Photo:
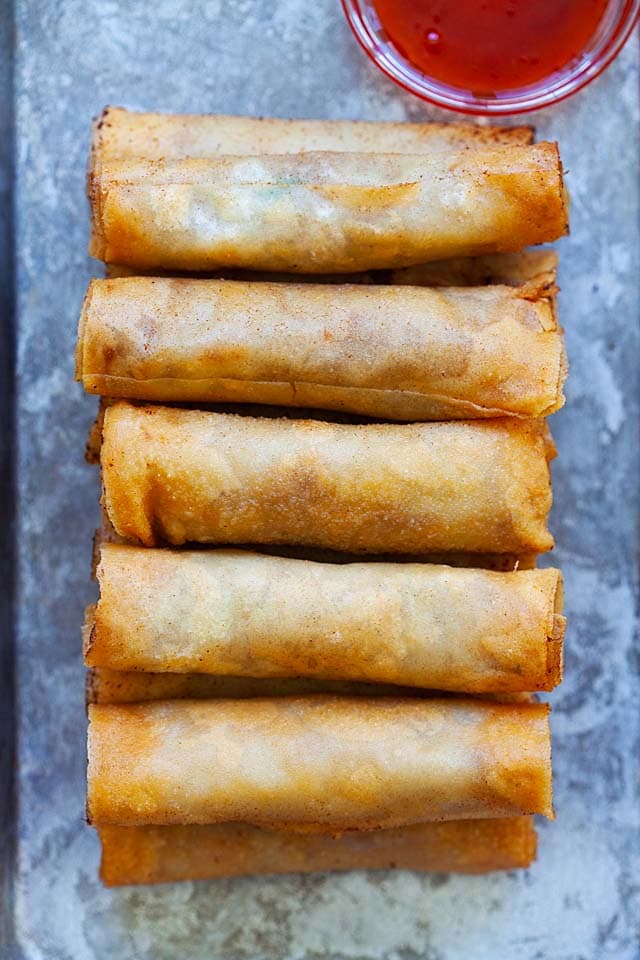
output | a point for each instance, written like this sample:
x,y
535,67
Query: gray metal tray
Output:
x,y
581,900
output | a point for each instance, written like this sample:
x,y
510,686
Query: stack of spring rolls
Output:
x,y
325,360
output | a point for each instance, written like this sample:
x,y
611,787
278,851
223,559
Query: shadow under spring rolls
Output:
x,y
121,686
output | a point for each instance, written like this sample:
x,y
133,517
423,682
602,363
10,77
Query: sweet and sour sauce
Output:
x,y
490,46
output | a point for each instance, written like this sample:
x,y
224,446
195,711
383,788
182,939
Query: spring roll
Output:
x,y
320,763
399,353
535,269
119,133
171,854
236,613
119,686
183,475
325,212
504,562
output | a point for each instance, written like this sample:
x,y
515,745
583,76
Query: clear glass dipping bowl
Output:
x,y
613,32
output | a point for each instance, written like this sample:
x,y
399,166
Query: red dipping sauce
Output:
x,y
492,56
488,46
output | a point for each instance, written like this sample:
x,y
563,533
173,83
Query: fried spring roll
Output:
x,y
317,763
535,269
400,353
183,475
503,562
119,686
237,613
325,212
170,854
94,438
119,133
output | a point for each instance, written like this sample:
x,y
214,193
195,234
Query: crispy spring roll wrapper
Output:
x,y
325,212
504,562
171,854
317,763
400,353
119,686
120,133
93,447
537,269
236,613
270,411
182,475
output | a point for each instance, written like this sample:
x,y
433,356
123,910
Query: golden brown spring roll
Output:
x,y
325,212
503,562
319,763
120,133
236,613
170,854
119,686
183,475
399,353
534,269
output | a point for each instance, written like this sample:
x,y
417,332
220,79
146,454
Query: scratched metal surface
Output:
x,y
581,901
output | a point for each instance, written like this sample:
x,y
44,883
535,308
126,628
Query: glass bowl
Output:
x,y
613,31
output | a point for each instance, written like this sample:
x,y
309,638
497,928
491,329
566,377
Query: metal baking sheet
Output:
x,y
581,900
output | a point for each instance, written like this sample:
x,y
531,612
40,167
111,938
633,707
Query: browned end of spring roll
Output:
x,y
326,763
171,854
400,353
183,475
234,612
325,212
